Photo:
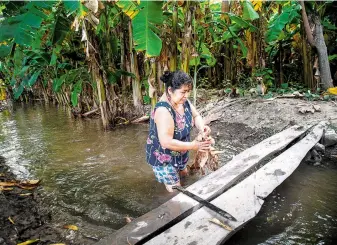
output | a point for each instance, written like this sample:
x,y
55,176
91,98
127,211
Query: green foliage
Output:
x,y
130,8
203,54
248,11
145,87
311,96
61,28
75,6
237,25
332,57
145,30
114,77
5,49
22,28
327,24
290,11
76,91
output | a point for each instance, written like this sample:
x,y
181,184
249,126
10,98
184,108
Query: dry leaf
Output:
x,y
31,182
26,187
10,220
71,227
5,188
25,194
128,219
218,222
29,242
7,184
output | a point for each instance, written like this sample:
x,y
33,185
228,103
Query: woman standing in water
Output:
x,y
168,143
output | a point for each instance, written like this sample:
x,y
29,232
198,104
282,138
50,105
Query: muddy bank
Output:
x,y
275,114
23,217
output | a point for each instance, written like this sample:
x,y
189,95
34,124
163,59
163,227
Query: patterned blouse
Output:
x,y
158,156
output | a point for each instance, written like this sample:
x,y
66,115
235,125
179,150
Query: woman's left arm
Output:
x,y
198,120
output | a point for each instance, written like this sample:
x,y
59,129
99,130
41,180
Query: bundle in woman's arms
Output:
x,y
206,160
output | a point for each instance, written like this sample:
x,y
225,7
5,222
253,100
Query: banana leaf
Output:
x,y
144,28
248,11
277,25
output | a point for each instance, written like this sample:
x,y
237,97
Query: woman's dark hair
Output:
x,y
175,79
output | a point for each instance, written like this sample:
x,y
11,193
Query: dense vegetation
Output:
x,y
107,56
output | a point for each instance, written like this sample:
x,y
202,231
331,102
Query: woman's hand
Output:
x,y
201,145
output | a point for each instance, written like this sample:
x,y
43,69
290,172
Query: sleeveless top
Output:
x,y
159,156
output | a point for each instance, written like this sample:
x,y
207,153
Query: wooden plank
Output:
x,y
243,201
208,187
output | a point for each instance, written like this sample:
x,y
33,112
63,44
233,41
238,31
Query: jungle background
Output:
x,y
104,58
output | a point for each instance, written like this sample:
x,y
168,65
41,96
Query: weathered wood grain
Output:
x,y
207,188
243,201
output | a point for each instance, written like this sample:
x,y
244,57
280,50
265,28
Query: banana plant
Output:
x,y
279,21
146,18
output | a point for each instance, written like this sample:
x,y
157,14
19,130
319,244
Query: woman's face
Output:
x,y
180,95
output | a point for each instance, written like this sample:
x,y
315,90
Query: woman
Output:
x,y
171,122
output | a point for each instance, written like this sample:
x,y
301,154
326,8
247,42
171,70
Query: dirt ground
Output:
x,y
239,124
23,217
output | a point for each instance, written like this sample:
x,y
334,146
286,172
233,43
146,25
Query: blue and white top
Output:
x,y
156,155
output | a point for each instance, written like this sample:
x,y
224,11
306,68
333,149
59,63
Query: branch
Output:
x,y
306,25
89,112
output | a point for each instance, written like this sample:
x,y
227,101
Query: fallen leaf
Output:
x,y
26,187
218,222
128,219
58,244
31,182
25,194
5,188
28,242
332,90
7,184
10,220
71,227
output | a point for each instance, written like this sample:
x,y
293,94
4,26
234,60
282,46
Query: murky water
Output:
x,y
94,179
303,210
90,177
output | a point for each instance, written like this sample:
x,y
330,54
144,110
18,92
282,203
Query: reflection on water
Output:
x,y
91,175
94,179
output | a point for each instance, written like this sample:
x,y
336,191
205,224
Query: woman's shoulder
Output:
x,y
162,104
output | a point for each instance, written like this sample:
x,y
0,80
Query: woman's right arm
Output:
x,y
165,129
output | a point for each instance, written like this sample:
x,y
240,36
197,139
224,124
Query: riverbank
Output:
x,y
240,126
22,216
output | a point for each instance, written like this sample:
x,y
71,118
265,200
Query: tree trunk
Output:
x,y
174,50
101,96
152,77
136,85
324,66
307,74
186,45
225,7
281,64
319,43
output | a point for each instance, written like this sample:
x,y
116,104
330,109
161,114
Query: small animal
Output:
x,y
206,159
261,88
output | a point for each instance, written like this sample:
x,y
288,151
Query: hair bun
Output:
x,y
166,77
